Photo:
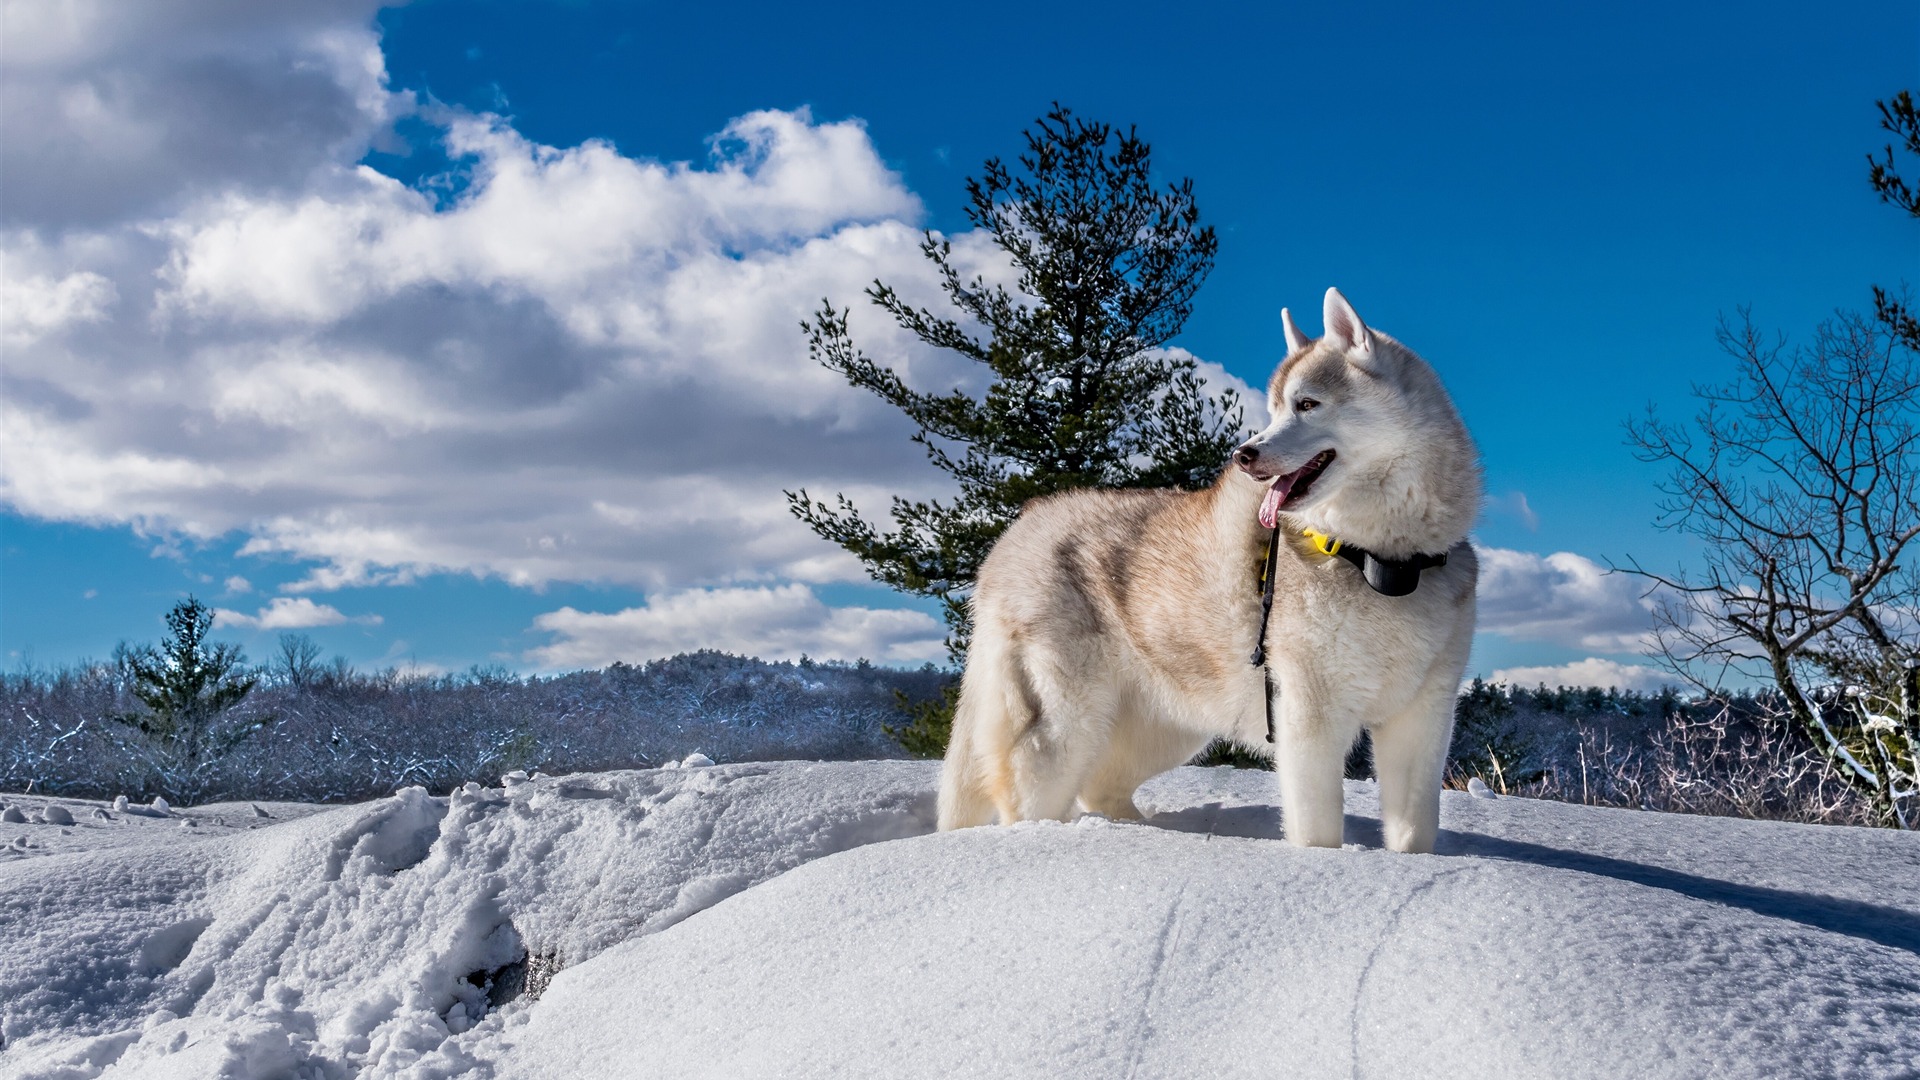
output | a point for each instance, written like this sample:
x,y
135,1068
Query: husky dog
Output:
x,y
1113,629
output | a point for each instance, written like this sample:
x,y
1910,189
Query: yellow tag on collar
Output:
x,y
1322,543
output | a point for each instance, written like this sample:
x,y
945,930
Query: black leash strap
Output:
x,y
1266,609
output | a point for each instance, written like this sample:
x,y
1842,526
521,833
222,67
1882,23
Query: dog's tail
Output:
x,y
977,779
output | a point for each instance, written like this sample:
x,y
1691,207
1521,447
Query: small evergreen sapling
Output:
x,y
188,685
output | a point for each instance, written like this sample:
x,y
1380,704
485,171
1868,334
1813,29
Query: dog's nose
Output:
x,y
1245,456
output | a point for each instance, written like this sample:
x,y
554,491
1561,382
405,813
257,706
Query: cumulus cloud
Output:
x,y
1593,671
1514,505
1562,599
587,367
34,306
289,613
1217,380
775,623
582,230
116,111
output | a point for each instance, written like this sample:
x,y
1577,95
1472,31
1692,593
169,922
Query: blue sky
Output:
x,y
481,418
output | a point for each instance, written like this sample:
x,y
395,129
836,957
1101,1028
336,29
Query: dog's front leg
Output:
x,y
1410,759
1311,758
1409,755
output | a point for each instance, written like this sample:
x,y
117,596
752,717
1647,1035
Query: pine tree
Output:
x,y
1081,392
1899,117
188,685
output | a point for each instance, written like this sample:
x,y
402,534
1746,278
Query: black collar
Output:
x,y
1388,577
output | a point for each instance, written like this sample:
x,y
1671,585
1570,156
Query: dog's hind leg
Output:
x,y
1137,750
964,799
1015,750
989,715
1049,761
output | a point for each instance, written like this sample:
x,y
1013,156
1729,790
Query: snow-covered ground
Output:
x,y
802,920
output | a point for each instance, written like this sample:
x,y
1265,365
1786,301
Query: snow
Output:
x,y
802,920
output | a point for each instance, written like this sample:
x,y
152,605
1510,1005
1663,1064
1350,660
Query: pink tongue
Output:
x,y
1270,506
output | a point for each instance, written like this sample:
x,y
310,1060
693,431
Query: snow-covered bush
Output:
x,y
1871,737
1730,756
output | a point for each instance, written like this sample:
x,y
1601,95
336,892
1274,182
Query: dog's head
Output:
x,y
1351,412
1320,402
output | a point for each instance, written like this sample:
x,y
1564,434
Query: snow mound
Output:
x,y
355,941
801,920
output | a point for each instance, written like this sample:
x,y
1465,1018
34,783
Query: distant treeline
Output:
x,y
325,732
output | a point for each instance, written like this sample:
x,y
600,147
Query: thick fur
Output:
x,y
1112,629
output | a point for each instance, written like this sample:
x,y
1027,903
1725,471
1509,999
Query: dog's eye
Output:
x,y
1305,404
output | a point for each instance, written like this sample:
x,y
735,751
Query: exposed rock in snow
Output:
x,y
799,920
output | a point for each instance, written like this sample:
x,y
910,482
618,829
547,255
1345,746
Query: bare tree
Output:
x,y
1801,477
299,661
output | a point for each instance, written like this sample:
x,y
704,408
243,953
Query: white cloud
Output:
x,y
1514,505
1216,379
237,585
298,387
358,379
775,623
35,306
54,468
290,613
577,229
1593,671
116,111
1562,599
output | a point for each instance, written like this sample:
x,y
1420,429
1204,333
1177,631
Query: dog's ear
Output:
x,y
1296,340
1345,328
